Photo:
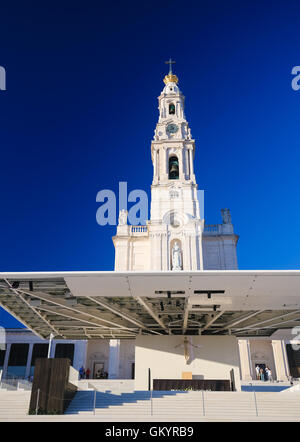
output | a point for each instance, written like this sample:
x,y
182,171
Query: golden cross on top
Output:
x,y
170,62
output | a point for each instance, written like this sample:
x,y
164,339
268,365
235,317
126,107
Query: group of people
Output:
x,y
263,373
100,374
85,374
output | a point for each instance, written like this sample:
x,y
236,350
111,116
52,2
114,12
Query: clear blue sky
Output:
x,y
81,106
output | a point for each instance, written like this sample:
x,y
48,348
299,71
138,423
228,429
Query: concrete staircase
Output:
x,y
186,406
175,406
13,404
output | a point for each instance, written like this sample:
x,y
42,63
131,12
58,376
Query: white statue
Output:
x,y
226,216
122,217
176,257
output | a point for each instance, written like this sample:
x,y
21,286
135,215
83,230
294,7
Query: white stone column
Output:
x,y
186,252
114,358
155,174
29,357
181,168
152,261
280,359
159,248
245,360
187,165
191,164
165,251
6,359
165,164
80,354
193,252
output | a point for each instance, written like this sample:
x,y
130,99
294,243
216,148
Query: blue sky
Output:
x,y
80,109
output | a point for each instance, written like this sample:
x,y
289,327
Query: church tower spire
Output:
x,y
172,128
172,239
174,202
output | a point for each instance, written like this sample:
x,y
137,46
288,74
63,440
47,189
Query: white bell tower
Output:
x,y
175,214
172,238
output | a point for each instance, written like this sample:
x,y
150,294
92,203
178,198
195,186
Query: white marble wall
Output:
x,y
270,351
219,252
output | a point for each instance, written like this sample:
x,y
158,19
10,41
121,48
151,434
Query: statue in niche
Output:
x,y
226,216
123,217
176,257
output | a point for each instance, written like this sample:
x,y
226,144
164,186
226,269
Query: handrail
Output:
x,y
37,402
255,401
95,398
203,403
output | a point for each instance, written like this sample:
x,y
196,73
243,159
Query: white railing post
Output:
x,y
151,404
203,403
95,394
255,401
37,402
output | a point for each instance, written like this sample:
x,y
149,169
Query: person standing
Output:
x,y
257,369
87,373
262,374
269,374
81,373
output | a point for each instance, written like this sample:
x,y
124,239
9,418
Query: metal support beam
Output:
x,y
121,313
147,307
20,296
238,321
214,319
269,320
62,303
270,326
87,324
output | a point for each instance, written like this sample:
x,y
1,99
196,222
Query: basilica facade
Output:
x,y
176,304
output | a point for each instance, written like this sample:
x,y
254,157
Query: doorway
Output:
x,y
260,371
98,371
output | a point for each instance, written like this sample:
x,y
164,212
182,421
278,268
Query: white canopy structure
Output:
x,y
89,305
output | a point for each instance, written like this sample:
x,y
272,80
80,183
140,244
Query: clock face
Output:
x,y
172,128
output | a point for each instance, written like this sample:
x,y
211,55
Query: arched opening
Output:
x,y
173,168
173,219
171,109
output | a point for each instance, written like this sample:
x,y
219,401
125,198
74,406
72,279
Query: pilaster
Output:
x,y
114,358
280,359
28,365
245,360
6,359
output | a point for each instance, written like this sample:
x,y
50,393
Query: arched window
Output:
x,y
173,168
171,109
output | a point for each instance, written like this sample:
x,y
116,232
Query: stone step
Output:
x,y
187,405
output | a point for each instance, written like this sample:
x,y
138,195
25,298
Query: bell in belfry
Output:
x,y
173,168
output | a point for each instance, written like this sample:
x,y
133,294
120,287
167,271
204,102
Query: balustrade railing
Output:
x,y
211,229
138,230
